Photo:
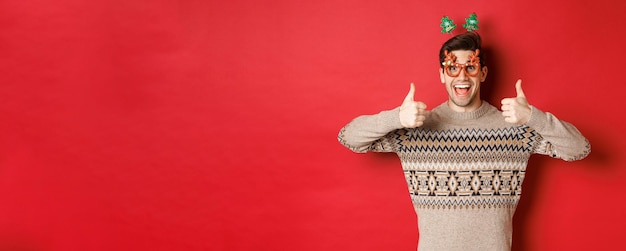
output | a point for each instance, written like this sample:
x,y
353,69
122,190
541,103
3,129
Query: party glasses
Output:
x,y
453,69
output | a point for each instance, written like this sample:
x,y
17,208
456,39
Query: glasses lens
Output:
x,y
453,70
472,69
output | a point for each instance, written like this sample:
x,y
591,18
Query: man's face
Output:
x,y
463,90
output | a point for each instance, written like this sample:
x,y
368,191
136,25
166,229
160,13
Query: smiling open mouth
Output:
x,y
461,90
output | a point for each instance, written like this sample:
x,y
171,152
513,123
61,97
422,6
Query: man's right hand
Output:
x,y
412,113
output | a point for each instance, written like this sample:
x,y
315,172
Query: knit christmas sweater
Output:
x,y
464,170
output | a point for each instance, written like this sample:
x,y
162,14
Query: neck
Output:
x,y
473,106
448,112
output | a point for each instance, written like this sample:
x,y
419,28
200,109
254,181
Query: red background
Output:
x,y
211,125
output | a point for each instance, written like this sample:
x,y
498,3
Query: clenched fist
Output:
x,y
516,110
412,113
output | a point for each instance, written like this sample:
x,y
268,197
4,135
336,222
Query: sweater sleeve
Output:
x,y
560,139
368,132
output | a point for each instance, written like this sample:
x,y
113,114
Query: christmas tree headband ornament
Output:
x,y
447,25
471,23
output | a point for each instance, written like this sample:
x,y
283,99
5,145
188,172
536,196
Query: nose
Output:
x,y
462,74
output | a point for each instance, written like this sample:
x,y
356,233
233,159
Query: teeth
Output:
x,y
461,86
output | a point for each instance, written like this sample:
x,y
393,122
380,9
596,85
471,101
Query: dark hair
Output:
x,y
466,41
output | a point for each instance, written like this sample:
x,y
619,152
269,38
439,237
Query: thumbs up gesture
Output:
x,y
516,110
412,113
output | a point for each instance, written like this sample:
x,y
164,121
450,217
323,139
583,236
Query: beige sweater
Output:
x,y
465,170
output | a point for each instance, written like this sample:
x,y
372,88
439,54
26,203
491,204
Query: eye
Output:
x,y
453,68
471,67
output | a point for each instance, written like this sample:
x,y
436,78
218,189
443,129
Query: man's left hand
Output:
x,y
516,110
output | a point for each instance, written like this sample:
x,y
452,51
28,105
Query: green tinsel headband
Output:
x,y
447,24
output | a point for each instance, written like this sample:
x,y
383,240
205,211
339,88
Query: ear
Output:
x,y
483,76
442,75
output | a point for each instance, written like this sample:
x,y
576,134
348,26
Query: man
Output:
x,y
465,160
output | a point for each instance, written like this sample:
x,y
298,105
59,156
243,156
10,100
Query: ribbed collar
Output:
x,y
449,113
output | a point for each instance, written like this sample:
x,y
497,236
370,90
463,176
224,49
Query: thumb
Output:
x,y
518,89
411,95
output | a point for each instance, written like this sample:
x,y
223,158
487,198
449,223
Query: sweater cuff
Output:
x,y
538,119
390,120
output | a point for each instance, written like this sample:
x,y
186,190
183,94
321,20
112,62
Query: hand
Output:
x,y
516,110
412,113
